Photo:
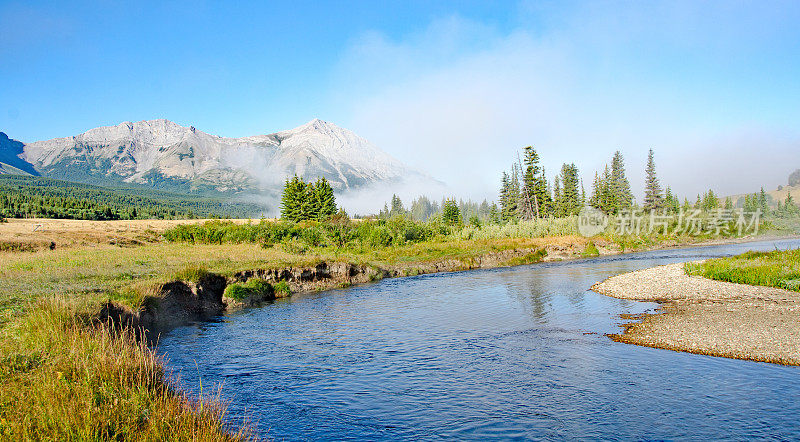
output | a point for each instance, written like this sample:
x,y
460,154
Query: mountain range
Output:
x,y
164,155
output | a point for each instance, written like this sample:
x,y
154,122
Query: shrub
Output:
x,y
590,251
252,289
282,289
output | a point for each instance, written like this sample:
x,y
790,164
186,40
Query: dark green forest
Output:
x,y
26,196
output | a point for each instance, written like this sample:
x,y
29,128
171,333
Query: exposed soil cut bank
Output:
x,y
178,302
703,316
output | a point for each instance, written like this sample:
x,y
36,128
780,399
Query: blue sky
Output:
x,y
452,88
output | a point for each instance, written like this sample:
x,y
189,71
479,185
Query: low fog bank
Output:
x,y
369,200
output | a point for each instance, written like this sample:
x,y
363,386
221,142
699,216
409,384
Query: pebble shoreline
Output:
x,y
704,316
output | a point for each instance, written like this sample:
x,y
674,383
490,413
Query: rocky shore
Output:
x,y
709,317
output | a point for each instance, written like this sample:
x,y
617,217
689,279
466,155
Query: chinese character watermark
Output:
x,y
691,222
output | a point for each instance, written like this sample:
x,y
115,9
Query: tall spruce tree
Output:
x,y
594,200
293,199
570,203
653,199
505,195
763,201
514,192
557,199
311,205
620,191
324,200
536,195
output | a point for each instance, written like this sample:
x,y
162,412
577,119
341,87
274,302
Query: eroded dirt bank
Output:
x,y
703,316
178,302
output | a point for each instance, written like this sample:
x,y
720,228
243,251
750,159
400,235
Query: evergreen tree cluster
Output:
x,y
424,209
525,192
568,193
303,201
25,196
611,191
451,214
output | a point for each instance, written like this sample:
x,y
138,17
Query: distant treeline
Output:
x,y
526,193
449,210
25,196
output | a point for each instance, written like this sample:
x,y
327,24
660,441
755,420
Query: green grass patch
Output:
x,y
780,269
252,289
529,258
590,251
282,289
192,273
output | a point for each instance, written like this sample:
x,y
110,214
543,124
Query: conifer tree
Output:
x,y
728,203
671,202
542,192
652,194
570,197
450,212
324,200
293,199
494,214
583,194
311,205
514,192
620,192
557,200
763,201
397,206
505,189
710,201
535,197
789,207
594,200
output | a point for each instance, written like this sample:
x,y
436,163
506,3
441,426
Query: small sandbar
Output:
x,y
703,316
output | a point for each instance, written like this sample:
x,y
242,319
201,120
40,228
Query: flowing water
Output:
x,y
513,353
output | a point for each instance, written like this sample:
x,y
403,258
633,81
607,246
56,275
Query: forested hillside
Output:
x,y
26,196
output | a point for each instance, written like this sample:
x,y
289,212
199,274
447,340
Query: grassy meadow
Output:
x,y
780,269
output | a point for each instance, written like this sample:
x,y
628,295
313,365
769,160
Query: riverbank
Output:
x,y
715,318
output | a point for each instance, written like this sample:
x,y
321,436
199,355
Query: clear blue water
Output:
x,y
515,353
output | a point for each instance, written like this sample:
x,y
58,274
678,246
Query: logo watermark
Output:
x,y
591,221
693,222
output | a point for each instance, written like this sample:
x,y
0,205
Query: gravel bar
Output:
x,y
703,316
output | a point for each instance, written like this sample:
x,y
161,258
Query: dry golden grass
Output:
x,y
62,378
70,232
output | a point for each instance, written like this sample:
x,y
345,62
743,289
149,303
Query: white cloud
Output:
x,y
459,100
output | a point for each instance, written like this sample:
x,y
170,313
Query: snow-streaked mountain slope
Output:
x,y
162,153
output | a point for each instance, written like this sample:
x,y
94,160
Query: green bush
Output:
x,y
590,250
252,289
282,289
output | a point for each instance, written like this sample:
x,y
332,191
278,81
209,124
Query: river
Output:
x,y
511,353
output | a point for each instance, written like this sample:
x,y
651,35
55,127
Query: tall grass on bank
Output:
x,y
396,231
779,269
63,378
535,228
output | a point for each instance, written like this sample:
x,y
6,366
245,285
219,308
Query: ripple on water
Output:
x,y
516,353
